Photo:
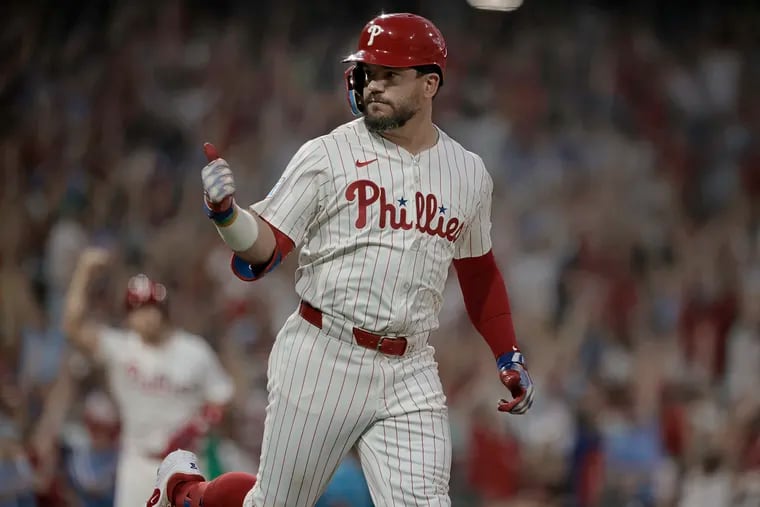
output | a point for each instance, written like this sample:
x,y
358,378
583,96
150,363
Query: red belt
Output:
x,y
392,346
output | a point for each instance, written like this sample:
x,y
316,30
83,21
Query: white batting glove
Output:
x,y
218,182
236,226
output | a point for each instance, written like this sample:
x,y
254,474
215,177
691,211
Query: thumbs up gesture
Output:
x,y
218,183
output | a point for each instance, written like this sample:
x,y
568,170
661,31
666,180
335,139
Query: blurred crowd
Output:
x,y
624,141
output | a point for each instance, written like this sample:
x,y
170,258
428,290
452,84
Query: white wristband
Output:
x,y
242,232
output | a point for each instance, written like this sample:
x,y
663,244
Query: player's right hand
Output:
x,y
218,183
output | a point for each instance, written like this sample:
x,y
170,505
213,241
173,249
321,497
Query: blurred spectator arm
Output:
x,y
54,410
45,435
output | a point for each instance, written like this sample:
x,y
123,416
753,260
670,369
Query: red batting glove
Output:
x,y
211,152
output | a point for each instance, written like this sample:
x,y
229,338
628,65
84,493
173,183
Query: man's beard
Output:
x,y
397,119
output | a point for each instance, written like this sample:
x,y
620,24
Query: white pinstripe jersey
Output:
x,y
380,226
158,388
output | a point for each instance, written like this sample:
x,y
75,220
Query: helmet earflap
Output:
x,y
355,79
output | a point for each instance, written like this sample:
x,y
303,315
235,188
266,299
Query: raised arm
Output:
x,y
80,328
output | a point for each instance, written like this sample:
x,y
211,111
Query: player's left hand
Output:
x,y
514,375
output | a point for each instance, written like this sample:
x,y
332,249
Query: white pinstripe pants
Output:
x,y
327,394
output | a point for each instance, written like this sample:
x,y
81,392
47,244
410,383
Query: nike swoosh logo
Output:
x,y
154,498
365,163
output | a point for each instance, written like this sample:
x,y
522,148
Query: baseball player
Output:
x,y
380,207
167,383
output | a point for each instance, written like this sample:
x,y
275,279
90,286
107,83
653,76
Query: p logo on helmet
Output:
x,y
374,31
400,40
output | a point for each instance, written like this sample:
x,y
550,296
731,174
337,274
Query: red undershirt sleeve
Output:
x,y
485,297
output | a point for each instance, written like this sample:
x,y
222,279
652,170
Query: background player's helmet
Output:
x,y
142,291
394,40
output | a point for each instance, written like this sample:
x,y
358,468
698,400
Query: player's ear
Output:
x,y
432,82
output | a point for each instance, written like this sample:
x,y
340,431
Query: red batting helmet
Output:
x,y
142,291
394,40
